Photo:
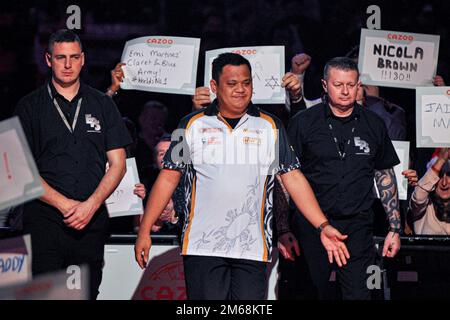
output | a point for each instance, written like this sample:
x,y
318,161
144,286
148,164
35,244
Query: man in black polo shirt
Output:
x,y
73,130
342,148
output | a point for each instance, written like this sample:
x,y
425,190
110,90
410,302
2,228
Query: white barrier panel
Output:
x,y
163,279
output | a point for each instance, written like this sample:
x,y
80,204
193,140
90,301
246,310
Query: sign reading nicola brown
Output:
x,y
397,59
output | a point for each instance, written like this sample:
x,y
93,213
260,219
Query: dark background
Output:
x,y
323,29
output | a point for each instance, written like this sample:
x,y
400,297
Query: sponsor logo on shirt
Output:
x,y
250,140
210,130
363,146
211,141
93,123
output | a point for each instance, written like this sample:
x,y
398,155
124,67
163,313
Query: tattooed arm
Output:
x,y
387,187
286,239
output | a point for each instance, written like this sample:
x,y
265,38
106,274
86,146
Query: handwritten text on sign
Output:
x,y
397,59
15,260
433,117
161,64
267,71
14,268
11,263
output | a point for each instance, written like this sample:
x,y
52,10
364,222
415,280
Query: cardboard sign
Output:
x,y
123,202
397,59
19,177
15,260
161,64
267,71
433,117
402,150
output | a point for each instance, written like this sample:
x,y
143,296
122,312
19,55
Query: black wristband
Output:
x,y
322,226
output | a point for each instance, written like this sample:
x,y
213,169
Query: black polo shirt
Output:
x,y
72,163
343,186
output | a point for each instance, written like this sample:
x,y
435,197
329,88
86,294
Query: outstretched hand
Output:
x,y
333,242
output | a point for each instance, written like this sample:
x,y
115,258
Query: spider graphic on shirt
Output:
x,y
239,222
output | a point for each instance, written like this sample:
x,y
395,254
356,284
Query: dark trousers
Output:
x,y
352,277
217,278
56,247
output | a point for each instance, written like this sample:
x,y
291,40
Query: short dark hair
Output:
x,y
445,169
156,105
166,137
227,58
62,35
340,63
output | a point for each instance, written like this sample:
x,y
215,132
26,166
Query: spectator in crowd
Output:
x,y
430,201
171,218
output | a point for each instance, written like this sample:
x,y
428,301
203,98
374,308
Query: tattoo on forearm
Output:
x,y
281,206
387,187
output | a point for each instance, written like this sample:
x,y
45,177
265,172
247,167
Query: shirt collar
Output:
x,y
213,109
56,94
354,115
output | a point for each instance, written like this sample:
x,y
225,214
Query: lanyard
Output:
x,y
61,114
341,153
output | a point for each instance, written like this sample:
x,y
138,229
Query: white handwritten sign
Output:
x,y
161,64
267,71
402,150
19,177
433,117
15,260
59,285
123,202
397,59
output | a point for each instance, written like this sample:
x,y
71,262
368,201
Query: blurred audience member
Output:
x,y
430,201
169,221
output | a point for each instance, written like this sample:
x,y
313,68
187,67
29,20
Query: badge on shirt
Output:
x,y
363,146
93,122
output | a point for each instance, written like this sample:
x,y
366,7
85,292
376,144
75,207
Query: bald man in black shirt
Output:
x,y
342,147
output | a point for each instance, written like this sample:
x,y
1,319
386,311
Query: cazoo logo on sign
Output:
x,y
404,37
160,41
